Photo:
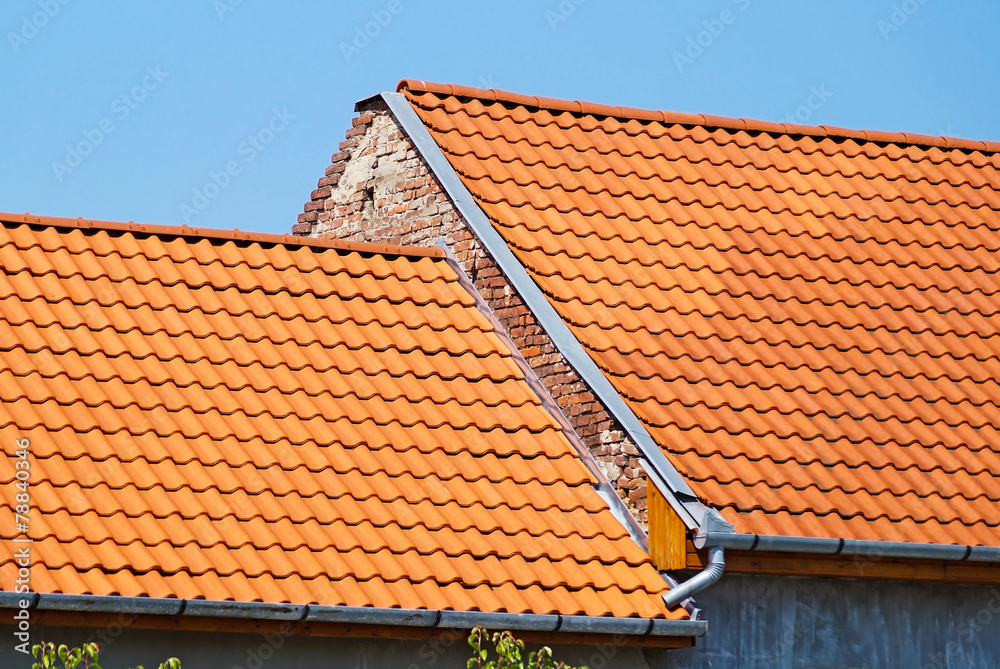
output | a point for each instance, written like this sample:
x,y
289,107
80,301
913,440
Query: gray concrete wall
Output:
x,y
758,622
123,647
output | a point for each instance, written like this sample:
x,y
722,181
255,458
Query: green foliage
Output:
x,y
84,657
509,652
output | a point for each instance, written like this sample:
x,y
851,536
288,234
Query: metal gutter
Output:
x,y
868,549
666,477
604,488
357,615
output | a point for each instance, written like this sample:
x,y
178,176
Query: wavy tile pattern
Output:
x,y
806,319
218,418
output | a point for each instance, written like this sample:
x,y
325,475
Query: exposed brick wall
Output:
x,y
379,189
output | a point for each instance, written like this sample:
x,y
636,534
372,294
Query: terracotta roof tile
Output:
x,y
230,416
805,318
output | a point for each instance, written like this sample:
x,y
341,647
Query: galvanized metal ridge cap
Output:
x,y
543,622
854,547
567,344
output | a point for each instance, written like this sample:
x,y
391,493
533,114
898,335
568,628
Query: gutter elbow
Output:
x,y
712,572
716,565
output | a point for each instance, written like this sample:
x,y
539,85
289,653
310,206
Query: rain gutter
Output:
x,y
308,613
856,547
664,475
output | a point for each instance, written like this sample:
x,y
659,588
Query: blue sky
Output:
x,y
122,111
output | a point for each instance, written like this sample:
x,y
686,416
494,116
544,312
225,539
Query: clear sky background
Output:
x,y
166,94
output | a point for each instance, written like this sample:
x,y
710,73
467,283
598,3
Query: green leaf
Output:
x,y
510,653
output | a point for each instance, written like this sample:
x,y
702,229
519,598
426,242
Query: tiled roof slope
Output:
x,y
806,319
242,417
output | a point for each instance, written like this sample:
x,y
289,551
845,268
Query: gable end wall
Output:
x,y
378,189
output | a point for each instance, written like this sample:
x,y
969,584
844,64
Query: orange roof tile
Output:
x,y
242,417
806,319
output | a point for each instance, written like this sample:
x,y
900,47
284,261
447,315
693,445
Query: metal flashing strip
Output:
x,y
853,547
676,490
533,622
603,487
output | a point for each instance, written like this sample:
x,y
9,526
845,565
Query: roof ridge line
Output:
x,y
578,107
234,235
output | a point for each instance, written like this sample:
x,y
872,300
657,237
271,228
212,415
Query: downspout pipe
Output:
x,y
709,575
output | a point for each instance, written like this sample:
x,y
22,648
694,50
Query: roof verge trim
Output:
x,y
669,481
